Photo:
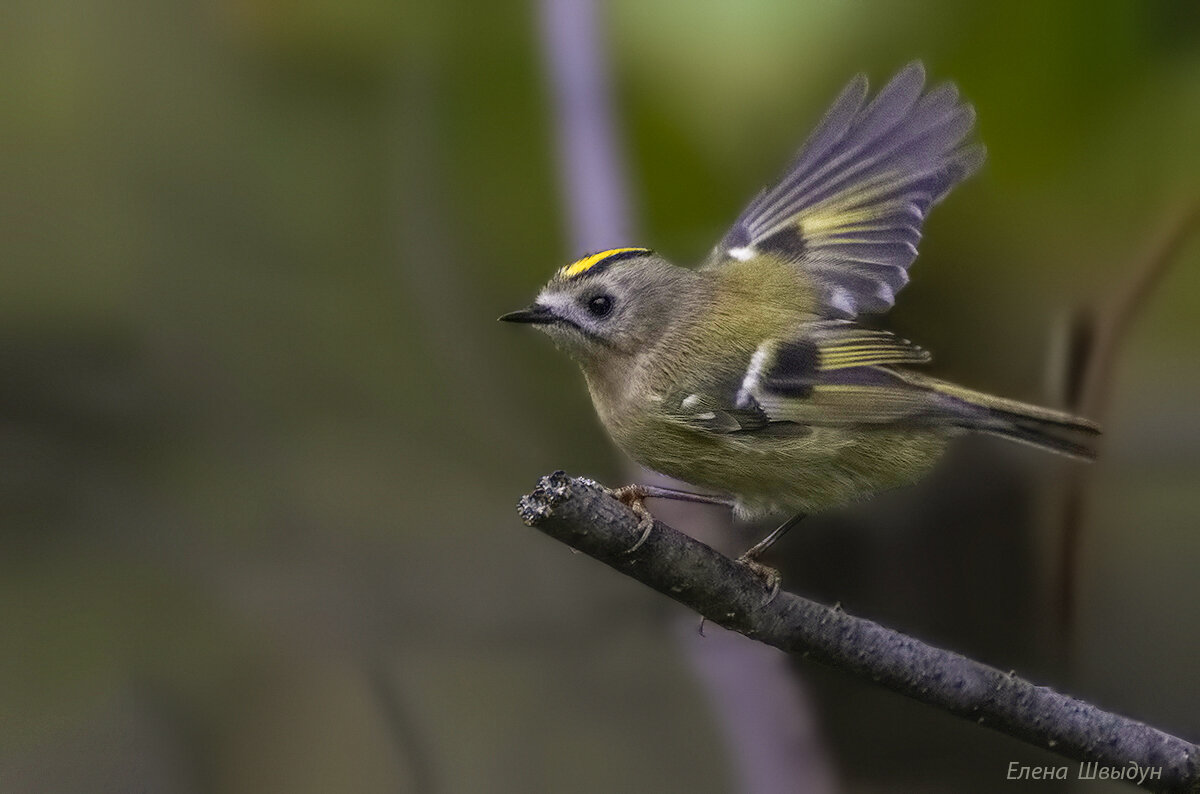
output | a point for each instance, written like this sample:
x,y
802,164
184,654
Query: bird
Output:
x,y
755,376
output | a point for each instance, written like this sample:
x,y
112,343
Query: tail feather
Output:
x,y
1042,437
1045,428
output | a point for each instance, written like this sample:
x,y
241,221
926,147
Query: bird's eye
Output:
x,y
600,305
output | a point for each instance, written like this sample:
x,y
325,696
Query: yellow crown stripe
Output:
x,y
588,262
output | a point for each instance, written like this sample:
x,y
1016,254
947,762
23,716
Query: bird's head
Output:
x,y
607,306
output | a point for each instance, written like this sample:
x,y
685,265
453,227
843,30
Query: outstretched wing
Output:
x,y
849,209
834,373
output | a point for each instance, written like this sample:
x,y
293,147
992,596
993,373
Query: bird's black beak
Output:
x,y
536,314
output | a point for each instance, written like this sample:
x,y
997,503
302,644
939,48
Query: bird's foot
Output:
x,y
634,497
769,575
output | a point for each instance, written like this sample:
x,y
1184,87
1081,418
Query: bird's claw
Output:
x,y
769,576
633,497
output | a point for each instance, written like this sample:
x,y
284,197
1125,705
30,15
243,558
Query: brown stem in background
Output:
x,y
1096,335
585,516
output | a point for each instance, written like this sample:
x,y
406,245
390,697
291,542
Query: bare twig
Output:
x,y
583,515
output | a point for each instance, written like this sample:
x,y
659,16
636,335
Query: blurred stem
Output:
x,y
1096,335
403,728
595,187
771,739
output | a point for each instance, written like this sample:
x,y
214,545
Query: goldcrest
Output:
x,y
750,375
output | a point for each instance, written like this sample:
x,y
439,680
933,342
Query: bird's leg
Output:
x,y
750,558
640,492
634,497
754,552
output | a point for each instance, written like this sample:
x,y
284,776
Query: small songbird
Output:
x,y
749,375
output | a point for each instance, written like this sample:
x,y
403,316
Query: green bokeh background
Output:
x,y
261,436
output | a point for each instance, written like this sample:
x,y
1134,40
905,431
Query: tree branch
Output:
x,y
582,514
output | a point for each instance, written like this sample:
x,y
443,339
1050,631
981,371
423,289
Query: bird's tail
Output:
x,y
1045,428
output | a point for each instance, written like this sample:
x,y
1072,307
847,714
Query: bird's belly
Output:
x,y
808,472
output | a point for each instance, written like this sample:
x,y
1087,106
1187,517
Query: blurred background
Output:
x,y
262,438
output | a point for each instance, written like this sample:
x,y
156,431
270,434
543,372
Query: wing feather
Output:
x,y
849,209
835,373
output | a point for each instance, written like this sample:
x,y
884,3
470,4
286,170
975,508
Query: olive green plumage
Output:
x,y
749,376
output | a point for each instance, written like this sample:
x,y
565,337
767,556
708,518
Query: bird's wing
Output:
x,y
832,373
848,211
